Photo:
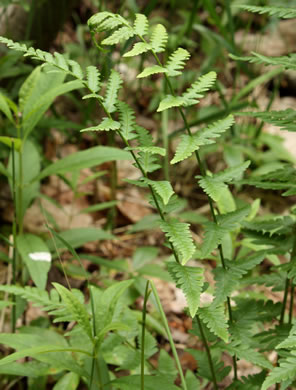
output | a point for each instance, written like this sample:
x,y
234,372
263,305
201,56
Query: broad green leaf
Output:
x,y
36,256
79,236
76,308
190,280
84,159
152,70
170,101
139,48
178,233
69,381
9,141
29,369
4,107
162,187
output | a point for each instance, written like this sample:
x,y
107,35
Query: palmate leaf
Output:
x,y
281,12
93,78
176,62
141,25
139,48
113,86
152,70
197,89
76,308
190,144
106,125
285,371
159,38
120,35
170,101
190,280
162,187
285,119
178,233
214,317
127,120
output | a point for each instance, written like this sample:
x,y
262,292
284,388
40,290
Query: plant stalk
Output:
x,y
146,296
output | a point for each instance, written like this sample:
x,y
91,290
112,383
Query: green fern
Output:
x,y
287,62
170,101
127,120
286,370
285,119
106,125
159,38
176,62
141,25
93,78
190,144
139,48
194,93
214,318
179,235
212,238
162,187
190,280
120,35
113,86
152,70
281,12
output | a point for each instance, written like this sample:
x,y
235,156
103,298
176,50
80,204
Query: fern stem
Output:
x,y
204,339
291,304
169,335
287,284
146,296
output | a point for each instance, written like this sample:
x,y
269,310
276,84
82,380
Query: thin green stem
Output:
x,y
165,141
13,316
204,339
291,304
287,284
146,296
169,335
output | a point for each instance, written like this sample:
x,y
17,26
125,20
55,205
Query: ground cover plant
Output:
x,y
101,323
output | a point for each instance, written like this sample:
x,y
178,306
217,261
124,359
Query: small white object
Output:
x,y
40,256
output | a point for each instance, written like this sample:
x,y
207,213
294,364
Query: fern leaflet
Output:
x,y
285,119
287,62
159,39
152,70
106,125
179,235
214,317
139,48
281,12
190,280
170,101
197,89
162,187
286,370
114,83
93,78
190,144
127,120
120,35
141,25
176,62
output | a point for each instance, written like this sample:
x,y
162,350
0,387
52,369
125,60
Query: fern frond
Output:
x,y
106,125
61,61
285,119
250,355
162,187
281,12
76,69
286,370
190,280
287,62
106,21
113,86
212,188
212,238
120,35
141,25
214,318
190,144
139,48
159,38
93,78
152,70
152,150
127,120
197,89
176,62
98,18
170,101
178,233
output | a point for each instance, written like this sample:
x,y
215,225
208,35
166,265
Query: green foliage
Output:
x,y
214,317
285,119
190,280
176,62
114,84
194,93
281,12
159,38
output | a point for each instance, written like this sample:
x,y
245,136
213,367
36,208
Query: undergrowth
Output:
x,y
90,334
